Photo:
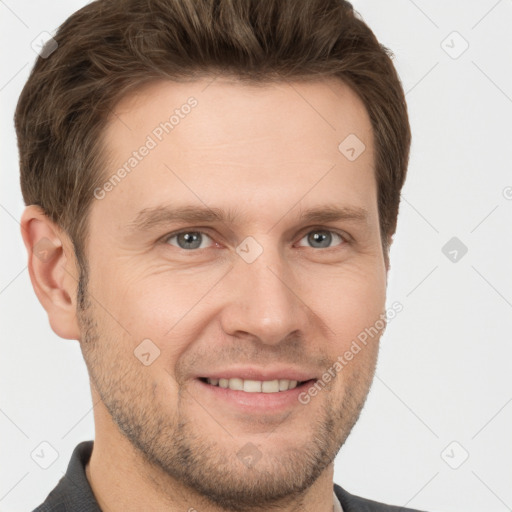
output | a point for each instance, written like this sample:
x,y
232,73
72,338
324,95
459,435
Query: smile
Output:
x,y
254,386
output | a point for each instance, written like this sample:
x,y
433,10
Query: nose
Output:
x,y
264,299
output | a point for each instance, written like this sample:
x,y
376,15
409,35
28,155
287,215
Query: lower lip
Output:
x,y
256,402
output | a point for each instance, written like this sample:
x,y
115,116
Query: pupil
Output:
x,y
321,236
190,238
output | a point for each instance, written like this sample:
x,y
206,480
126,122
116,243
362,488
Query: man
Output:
x,y
212,188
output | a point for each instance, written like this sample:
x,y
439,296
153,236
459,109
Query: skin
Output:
x,y
265,151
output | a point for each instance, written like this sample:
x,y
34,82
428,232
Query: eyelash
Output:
x,y
343,236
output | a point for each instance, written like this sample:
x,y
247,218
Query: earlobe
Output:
x,y
53,270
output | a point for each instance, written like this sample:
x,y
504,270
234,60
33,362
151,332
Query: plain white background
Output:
x,y
435,433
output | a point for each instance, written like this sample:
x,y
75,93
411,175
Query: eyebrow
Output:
x,y
151,218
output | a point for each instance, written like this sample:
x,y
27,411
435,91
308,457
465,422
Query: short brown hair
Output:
x,y
111,47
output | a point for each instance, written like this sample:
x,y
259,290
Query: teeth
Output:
x,y
254,386
236,384
283,384
270,386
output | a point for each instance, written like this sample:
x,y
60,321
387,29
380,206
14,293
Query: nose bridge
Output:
x,y
264,303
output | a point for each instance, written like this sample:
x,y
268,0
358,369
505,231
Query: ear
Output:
x,y
53,270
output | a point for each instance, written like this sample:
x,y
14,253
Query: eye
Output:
x,y
188,239
322,238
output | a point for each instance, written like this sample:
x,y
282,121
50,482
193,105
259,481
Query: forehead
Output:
x,y
235,145
238,110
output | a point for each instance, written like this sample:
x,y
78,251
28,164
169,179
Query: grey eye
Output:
x,y
188,240
321,238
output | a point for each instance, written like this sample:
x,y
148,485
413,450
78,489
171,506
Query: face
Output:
x,y
231,264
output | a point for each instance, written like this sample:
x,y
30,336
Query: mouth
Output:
x,y
252,398
256,386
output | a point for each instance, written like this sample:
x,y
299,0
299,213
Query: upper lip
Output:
x,y
255,373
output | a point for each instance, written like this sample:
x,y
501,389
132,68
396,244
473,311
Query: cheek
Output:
x,y
155,310
351,300
353,307
142,304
